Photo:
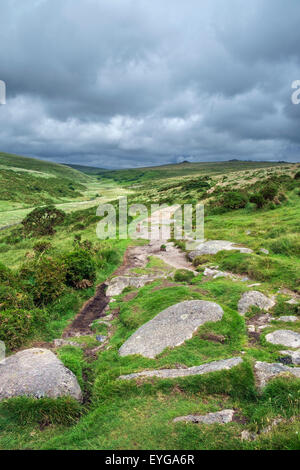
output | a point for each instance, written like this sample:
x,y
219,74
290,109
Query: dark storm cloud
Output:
x,y
134,82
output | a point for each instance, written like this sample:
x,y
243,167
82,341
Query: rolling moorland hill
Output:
x,y
170,348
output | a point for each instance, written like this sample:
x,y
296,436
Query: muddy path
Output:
x,y
136,256
91,310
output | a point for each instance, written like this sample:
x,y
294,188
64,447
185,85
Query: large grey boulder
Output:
x,y
38,373
220,417
215,366
288,338
254,298
171,327
265,372
212,247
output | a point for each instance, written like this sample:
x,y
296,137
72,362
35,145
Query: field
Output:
x,y
255,205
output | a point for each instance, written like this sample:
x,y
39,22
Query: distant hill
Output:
x,y
130,175
32,181
88,170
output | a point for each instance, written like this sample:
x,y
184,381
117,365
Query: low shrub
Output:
x,y
16,325
44,279
79,266
42,220
234,200
183,275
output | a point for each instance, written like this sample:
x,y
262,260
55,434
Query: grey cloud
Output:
x,y
134,83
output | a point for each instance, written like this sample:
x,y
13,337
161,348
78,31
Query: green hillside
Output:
x,y
31,181
182,169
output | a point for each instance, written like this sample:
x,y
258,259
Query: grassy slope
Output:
x,y
126,415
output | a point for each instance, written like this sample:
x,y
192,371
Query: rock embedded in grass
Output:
x,y
220,417
288,338
265,371
215,366
212,247
294,356
171,327
288,318
256,299
37,373
119,283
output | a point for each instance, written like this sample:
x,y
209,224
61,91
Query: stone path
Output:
x,y
215,366
171,327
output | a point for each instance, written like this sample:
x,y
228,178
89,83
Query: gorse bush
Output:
x,y
234,200
44,279
42,220
79,266
16,325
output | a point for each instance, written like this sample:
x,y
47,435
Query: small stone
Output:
x,y
292,302
251,328
287,338
264,251
248,436
254,298
287,318
294,356
101,338
64,342
265,371
220,417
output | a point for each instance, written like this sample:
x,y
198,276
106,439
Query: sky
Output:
x,y
131,83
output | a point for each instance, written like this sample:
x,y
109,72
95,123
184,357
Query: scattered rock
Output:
x,y
265,372
212,247
287,318
294,356
248,436
101,338
220,417
251,328
64,342
292,302
224,364
38,373
264,251
214,273
254,298
171,327
288,338
118,284
255,285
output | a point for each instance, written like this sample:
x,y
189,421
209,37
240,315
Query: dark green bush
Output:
x,y
183,275
42,220
269,191
257,199
234,200
16,325
44,279
79,266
